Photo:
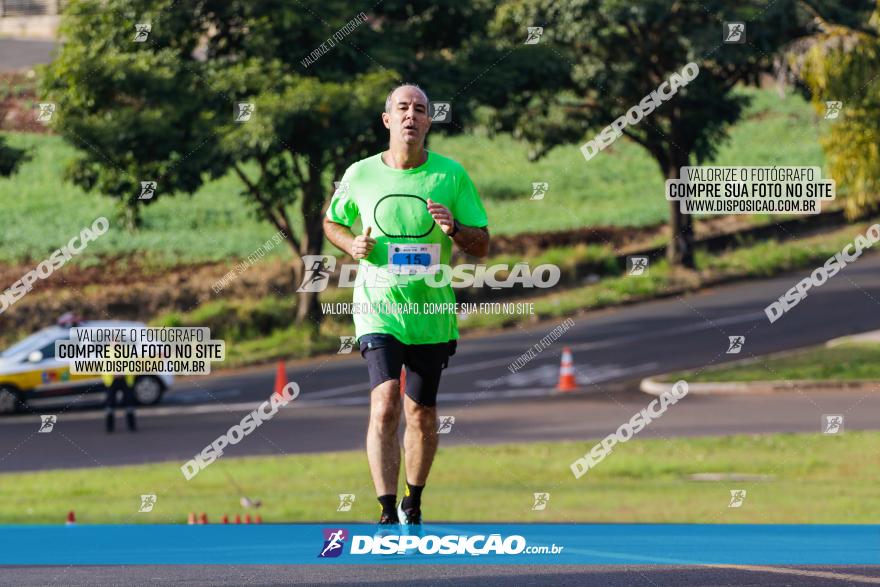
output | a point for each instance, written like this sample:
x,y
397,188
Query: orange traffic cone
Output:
x,y
402,381
280,378
566,372
191,519
71,518
247,518
237,519
203,519
258,519
224,519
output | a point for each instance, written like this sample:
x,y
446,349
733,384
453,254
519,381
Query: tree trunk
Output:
x,y
680,251
308,308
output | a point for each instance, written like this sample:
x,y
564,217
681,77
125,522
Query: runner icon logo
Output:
x,y
637,265
346,344
317,275
244,111
736,344
334,540
541,500
346,500
446,423
534,35
47,424
142,31
737,497
147,503
539,189
832,109
735,32
148,190
832,423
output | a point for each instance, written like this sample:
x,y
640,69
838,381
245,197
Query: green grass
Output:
x,y
814,479
847,362
621,187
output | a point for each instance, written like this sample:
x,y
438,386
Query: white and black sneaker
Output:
x,y
410,521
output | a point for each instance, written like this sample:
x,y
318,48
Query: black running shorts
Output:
x,y
385,355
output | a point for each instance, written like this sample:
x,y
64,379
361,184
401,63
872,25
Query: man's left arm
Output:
x,y
472,240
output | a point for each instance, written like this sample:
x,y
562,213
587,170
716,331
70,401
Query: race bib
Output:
x,y
413,259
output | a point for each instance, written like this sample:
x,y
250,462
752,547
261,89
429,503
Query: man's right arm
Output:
x,y
358,247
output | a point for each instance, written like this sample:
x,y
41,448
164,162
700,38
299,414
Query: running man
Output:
x,y
412,203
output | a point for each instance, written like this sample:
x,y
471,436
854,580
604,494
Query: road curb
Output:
x,y
652,386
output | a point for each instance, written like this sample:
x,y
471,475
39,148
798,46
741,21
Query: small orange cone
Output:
x,y
237,519
224,519
71,518
258,519
191,519
566,372
280,378
203,519
402,381
247,518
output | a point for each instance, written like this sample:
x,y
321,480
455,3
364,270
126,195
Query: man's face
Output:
x,y
408,122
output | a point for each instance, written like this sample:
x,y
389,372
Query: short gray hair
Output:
x,y
391,93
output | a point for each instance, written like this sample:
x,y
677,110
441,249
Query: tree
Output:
x,y
839,64
162,109
619,52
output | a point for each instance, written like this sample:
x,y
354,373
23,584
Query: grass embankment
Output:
x,y
847,362
812,478
623,187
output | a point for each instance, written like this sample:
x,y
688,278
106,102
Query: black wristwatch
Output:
x,y
456,226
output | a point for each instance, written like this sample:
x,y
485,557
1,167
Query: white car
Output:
x,y
29,371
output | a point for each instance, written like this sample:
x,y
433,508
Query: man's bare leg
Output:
x,y
419,441
383,445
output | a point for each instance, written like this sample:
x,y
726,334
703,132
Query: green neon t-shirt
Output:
x,y
393,202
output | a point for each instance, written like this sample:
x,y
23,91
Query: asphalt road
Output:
x,y
612,351
443,575
24,53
